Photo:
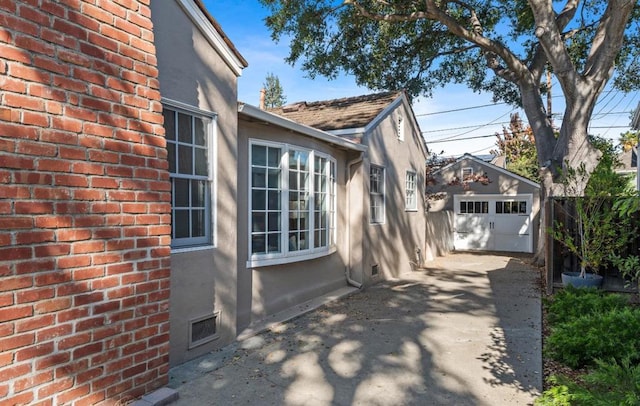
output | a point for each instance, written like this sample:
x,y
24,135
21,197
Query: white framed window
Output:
x,y
466,173
292,203
376,194
512,207
400,128
189,136
410,197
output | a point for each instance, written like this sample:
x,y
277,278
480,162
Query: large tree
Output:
x,y
491,45
273,93
517,145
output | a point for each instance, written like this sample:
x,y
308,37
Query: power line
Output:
x,y
460,109
443,140
461,128
460,139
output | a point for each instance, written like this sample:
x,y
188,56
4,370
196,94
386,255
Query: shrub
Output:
x,y
571,303
612,383
614,334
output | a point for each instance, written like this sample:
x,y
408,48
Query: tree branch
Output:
x,y
515,70
608,40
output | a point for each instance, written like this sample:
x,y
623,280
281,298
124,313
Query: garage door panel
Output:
x,y
503,225
512,243
511,224
471,241
468,223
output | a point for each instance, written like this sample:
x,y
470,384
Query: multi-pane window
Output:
x,y
511,207
292,200
410,198
376,193
471,207
188,141
266,199
466,173
299,200
324,204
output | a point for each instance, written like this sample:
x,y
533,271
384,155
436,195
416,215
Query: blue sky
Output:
x,y
243,23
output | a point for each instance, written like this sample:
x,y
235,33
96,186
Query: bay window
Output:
x,y
292,207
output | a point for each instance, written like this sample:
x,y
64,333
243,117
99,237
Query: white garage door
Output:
x,y
493,223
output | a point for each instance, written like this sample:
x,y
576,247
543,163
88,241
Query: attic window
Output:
x,y
466,173
400,128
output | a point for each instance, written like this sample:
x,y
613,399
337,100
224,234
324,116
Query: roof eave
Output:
x,y
262,115
488,164
212,31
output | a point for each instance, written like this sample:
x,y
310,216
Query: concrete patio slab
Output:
x,y
464,331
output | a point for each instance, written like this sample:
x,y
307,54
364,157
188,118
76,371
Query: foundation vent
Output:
x,y
375,269
203,329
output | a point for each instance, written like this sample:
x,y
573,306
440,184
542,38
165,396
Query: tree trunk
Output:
x,y
555,155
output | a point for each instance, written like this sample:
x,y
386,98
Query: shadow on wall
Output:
x,y
203,282
439,234
397,245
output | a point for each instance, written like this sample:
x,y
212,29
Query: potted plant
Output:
x,y
601,226
589,241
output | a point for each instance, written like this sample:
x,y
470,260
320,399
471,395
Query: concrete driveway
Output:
x,y
464,331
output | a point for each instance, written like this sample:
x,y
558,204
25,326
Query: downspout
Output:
x,y
347,271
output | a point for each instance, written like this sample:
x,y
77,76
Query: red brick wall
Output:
x,y
84,204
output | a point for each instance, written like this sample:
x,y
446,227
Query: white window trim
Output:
x,y
463,170
212,157
384,196
415,191
285,257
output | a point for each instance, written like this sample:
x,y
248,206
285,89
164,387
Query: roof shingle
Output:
x,y
338,114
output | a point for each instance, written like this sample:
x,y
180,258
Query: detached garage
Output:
x,y
475,205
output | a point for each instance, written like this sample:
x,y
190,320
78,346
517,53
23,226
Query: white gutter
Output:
x,y
262,115
347,271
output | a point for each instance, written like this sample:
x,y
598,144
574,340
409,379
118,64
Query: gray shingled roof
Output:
x,y
338,114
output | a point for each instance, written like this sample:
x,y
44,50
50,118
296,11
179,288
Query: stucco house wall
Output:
x,y
386,125
194,75
397,245
264,290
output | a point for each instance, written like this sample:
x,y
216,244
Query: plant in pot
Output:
x,y
593,227
590,239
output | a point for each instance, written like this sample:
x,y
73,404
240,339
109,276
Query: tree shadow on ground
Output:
x,y
425,339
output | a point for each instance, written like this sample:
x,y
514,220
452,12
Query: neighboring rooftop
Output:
x,y
338,114
629,161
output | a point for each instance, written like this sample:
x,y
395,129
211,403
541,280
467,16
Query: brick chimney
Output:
x,y
263,95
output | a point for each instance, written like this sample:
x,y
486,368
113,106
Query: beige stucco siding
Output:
x,y
397,244
265,290
202,281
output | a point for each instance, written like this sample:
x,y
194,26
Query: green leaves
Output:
x,y
417,45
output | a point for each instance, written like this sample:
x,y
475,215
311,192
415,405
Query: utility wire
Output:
x,y
460,109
